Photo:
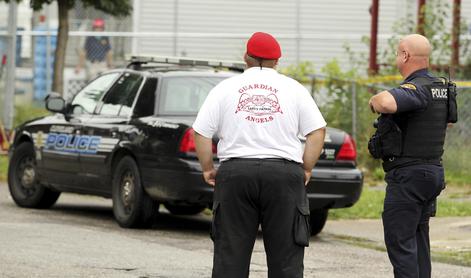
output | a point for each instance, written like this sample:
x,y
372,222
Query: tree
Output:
x,y
112,7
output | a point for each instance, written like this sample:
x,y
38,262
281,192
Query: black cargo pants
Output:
x,y
269,192
410,200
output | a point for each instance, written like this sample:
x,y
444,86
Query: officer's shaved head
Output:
x,y
416,45
413,53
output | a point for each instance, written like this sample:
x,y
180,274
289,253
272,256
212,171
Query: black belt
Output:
x,y
393,162
261,159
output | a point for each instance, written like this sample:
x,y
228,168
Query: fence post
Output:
x,y
354,110
48,53
9,100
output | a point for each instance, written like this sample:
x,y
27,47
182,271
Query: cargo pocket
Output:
x,y
213,230
302,227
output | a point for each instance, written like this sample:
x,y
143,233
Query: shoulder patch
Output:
x,y
409,86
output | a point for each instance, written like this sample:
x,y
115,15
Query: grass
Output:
x,y
462,258
3,167
453,257
370,206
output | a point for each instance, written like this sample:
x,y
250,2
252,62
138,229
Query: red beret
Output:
x,y
99,22
263,45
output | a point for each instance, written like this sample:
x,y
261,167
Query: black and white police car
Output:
x,y
127,136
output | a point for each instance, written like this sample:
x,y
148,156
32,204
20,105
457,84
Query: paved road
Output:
x,y
79,238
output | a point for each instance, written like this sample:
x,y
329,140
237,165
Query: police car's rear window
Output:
x,y
185,95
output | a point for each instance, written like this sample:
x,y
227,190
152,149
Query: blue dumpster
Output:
x,y
40,62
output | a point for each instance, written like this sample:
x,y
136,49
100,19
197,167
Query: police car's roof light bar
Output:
x,y
137,61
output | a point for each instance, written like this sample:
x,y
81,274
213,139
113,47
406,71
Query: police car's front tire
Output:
x,y
132,207
23,182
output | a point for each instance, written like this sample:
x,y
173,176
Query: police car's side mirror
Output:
x,y
55,104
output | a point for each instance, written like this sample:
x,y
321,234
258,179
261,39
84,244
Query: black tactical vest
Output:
x,y
424,130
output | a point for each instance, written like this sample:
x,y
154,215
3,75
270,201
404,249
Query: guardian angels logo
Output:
x,y
261,107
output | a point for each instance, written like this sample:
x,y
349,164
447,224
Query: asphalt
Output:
x,y
446,233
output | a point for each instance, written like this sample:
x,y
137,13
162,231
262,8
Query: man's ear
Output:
x,y
406,56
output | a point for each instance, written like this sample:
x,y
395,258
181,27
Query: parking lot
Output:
x,y
78,237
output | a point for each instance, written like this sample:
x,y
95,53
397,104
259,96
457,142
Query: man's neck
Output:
x,y
410,71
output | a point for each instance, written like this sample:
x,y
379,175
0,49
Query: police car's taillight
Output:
x,y
187,144
348,150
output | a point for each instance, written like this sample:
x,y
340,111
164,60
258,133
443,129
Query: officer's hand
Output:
x,y
210,176
371,106
307,177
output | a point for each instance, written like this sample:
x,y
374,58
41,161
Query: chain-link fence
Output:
x,y
344,104
86,50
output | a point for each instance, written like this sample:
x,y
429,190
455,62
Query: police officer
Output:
x,y
409,138
257,117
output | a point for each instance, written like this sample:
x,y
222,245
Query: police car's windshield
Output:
x,y
185,95
87,99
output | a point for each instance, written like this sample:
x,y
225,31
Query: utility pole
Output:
x,y
455,37
374,11
421,17
8,105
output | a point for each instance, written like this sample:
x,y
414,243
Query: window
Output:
x,y
185,95
119,99
87,99
146,102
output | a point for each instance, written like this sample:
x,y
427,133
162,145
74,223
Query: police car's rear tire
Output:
x,y
23,182
184,210
132,207
318,219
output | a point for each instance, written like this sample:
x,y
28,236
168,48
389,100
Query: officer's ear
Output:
x,y
406,56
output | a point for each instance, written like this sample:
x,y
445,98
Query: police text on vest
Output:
x,y
439,93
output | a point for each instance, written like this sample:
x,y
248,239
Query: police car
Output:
x,y
127,136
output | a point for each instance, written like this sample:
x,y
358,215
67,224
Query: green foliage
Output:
x,y
113,7
378,174
301,72
3,167
339,87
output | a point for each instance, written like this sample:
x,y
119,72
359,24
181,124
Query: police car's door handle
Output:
x,y
77,132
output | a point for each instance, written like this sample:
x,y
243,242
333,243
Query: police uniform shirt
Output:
x,y
259,114
96,48
410,96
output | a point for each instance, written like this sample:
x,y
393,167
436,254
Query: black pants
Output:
x,y
250,192
410,201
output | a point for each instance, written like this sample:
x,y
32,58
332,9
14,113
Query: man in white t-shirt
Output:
x,y
258,117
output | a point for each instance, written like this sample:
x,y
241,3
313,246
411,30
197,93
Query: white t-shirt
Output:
x,y
259,114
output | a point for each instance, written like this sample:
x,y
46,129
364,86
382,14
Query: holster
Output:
x,y
387,140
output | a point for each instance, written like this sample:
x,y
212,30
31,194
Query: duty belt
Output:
x,y
393,162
